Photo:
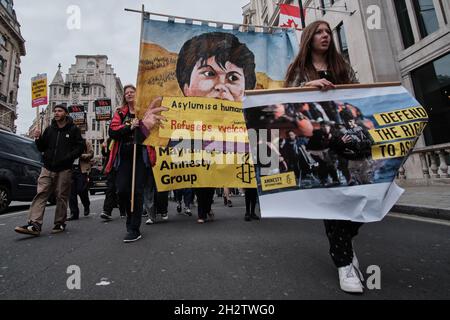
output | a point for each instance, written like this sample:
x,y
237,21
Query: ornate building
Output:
x,y
12,48
90,78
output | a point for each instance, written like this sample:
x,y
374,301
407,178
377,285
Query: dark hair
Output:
x,y
124,101
224,47
61,106
303,63
346,115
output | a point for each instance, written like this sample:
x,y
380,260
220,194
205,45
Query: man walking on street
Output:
x,y
61,144
80,175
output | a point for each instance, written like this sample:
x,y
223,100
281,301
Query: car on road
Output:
x,y
97,180
20,166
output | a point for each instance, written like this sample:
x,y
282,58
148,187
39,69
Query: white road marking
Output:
x,y
419,219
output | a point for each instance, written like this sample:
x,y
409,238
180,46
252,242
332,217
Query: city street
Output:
x,y
229,258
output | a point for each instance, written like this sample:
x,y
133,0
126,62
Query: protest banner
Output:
x,y
201,72
39,95
78,114
338,152
102,109
39,90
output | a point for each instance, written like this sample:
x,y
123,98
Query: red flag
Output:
x,y
290,16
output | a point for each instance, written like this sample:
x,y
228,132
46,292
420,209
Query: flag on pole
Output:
x,y
290,16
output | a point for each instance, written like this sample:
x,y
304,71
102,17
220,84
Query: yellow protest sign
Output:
x,y
39,90
178,168
399,116
402,131
392,150
278,181
209,119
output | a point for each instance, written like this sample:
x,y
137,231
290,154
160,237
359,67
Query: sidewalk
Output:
x,y
426,201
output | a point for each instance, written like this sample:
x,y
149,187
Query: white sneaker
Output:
x,y
355,263
149,221
165,217
349,280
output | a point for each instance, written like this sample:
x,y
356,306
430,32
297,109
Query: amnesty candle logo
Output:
x,y
247,173
279,181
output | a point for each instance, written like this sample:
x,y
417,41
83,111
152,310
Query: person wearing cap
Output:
x,y
60,144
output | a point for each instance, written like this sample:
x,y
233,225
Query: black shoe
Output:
x,y
230,204
71,218
87,212
225,202
132,237
58,228
254,217
179,207
105,216
247,217
31,228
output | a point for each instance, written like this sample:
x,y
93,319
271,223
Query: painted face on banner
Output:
x,y
211,80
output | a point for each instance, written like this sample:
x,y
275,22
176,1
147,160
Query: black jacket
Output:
x,y
60,146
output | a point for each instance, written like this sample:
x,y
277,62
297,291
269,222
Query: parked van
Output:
x,y
20,166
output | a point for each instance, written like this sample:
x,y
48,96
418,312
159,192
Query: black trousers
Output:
x,y
79,188
161,201
123,184
251,195
204,198
110,195
340,234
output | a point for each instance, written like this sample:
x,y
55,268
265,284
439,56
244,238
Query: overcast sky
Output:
x,y
105,29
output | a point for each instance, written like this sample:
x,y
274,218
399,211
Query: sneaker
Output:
x,y
72,218
32,229
145,214
349,280
165,216
188,212
254,216
58,228
106,216
211,215
132,237
86,212
179,207
149,221
229,203
201,221
247,217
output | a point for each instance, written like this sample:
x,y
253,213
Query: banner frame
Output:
x,y
308,89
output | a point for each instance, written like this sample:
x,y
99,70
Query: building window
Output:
x,y
426,17
11,97
404,23
2,64
86,106
432,89
3,40
326,4
93,124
